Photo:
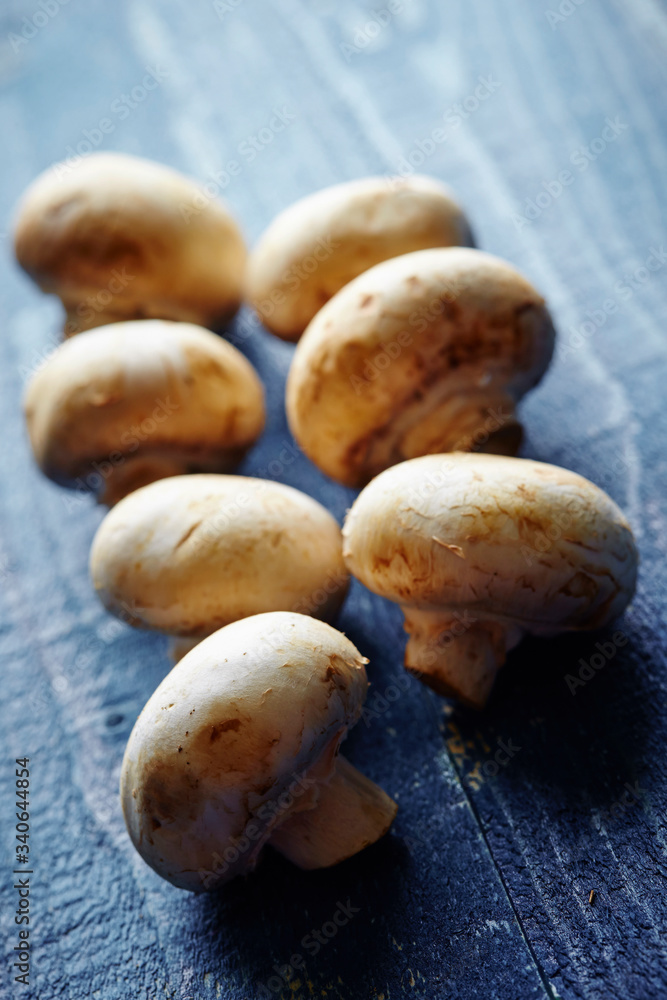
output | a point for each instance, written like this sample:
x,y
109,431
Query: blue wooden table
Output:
x,y
548,118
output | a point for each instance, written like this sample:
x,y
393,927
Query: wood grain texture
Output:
x,y
482,889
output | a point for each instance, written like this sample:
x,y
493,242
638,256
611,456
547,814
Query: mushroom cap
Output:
x,y
241,726
508,539
148,388
119,237
345,229
190,554
379,373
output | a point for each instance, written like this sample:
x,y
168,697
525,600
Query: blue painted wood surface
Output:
x,y
482,889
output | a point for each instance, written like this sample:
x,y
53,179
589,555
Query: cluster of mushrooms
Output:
x,y
413,351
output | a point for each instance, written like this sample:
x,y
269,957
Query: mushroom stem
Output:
x,y
76,323
147,467
468,421
351,813
457,655
180,646
133,473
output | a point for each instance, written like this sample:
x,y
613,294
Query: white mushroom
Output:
x,y
422,354
479,550
119,407
190,554
117,237
322,242
239,747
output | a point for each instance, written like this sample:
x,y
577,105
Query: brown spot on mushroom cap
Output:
x,y
224,727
